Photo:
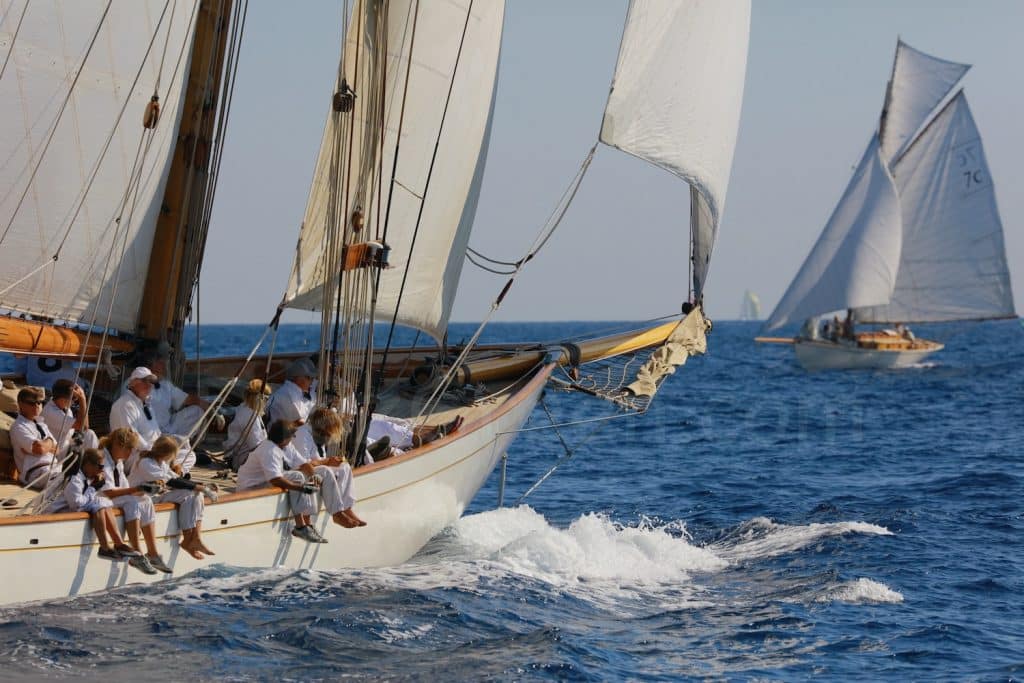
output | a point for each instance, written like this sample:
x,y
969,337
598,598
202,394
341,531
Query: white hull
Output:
x,y
405,501
826,355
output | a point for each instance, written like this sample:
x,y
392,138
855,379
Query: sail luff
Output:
x,y
675,101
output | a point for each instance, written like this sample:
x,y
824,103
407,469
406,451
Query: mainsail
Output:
x,y
417,153
81,185
953,262
675,101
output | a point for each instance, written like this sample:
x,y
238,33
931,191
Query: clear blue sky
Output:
x,y
815,83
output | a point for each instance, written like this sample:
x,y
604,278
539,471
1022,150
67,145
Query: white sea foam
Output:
x,y
594,559
592,548
861,591
762,538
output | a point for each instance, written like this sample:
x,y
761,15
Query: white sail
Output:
x,y
51,159
676,97
432,199
919,83
953,262
854,263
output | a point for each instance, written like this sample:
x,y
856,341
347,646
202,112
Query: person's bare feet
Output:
x,y
354,517
192,549
344,520
200,546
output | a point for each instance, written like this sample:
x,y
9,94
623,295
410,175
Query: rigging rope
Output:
x,y
554,220
14,38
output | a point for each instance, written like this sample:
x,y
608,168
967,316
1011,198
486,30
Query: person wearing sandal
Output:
x,y
84,484
136,506
312,439
157,467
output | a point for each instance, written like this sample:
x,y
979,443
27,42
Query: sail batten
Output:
x,y
429,200
675,101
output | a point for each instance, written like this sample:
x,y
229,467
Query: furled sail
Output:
x,y
422,204
675,101
953,261
855,260
919,84
80,188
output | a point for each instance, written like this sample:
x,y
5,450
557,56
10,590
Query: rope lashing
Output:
x,y
152,113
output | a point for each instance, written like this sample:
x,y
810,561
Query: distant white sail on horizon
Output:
x,y
750,309
675,101
953,262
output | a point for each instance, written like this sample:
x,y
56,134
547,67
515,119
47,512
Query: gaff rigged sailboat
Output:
x,y
915,238
105,222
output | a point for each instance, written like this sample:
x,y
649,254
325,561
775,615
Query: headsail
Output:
x,y
72,99
953,261
854,263
919,84
675,101
427,206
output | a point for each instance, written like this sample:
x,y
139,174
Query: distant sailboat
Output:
x,y
916,237
750,309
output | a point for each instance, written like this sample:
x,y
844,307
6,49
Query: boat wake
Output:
x,y
595,560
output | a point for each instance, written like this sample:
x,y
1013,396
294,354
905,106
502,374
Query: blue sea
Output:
x,y
758,523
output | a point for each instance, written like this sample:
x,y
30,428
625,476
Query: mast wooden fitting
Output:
x,y
345,99
357,219
152,113
364,255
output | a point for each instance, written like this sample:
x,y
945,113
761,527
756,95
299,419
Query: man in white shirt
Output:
x,y
133,410
294,399
63,420
176,411
33,443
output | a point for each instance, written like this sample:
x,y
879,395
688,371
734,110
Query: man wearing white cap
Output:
x,y
133,410
176,410
295,398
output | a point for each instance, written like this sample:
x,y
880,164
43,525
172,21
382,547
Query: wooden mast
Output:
x,y
189,169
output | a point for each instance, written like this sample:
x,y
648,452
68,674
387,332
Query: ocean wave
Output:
x,y
760,538
859,592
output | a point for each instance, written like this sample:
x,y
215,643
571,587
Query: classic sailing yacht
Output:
x,y
916,237
113,121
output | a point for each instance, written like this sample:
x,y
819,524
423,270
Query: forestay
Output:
x,y
675,101
855,260
425,210
953,262
919,83
70,126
